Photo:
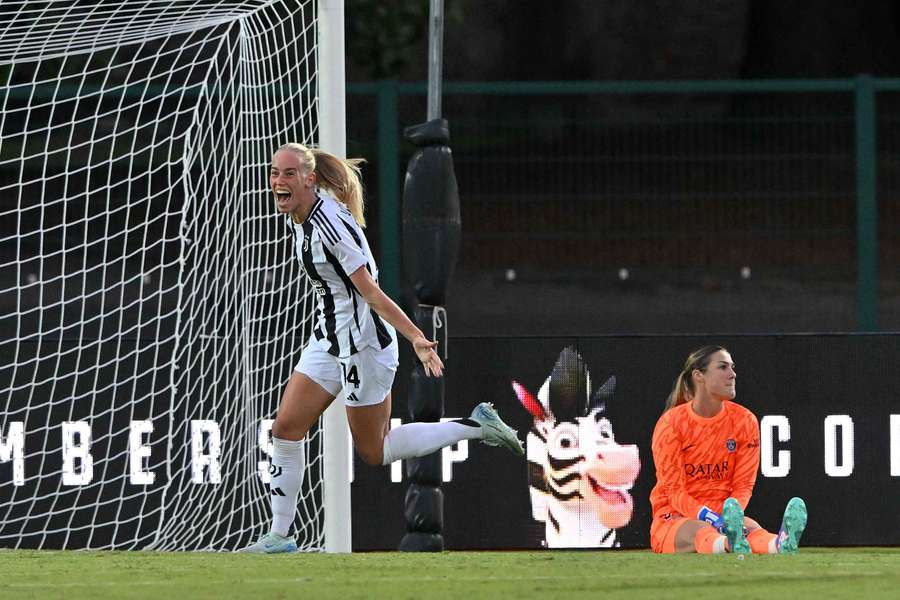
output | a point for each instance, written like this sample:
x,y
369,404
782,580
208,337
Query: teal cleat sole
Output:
x,y
733,515
792,526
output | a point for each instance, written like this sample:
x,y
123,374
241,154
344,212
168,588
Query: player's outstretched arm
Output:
x,y
390,312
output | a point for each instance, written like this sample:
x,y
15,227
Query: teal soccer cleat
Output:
x,y
733,515
496,432
272,543
792,526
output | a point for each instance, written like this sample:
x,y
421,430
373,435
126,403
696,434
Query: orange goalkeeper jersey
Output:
x,y
702,461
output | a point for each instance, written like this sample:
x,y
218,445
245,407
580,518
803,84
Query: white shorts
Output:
x,y
366,377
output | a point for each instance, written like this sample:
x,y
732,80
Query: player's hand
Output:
x,y
425,350
711,517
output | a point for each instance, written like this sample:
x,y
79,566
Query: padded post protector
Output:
x,y
425,397
431,220
424,509
422,542
425,470
431,233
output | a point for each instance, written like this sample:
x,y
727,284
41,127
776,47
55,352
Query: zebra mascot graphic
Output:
x,y
578,475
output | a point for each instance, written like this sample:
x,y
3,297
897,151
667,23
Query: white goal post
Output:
x,y
333,137
150,306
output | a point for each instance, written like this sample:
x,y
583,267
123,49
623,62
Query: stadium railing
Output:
x,y
796,175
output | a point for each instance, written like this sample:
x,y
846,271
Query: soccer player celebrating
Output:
x,y
353,348
706,451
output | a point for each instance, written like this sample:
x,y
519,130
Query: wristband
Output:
x,y
711,517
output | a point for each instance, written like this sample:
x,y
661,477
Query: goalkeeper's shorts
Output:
x,y
663,530
363,379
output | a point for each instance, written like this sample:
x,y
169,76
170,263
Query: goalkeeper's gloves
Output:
x,y
711,517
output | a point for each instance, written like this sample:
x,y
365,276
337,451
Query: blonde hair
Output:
x,y
339,176
684,385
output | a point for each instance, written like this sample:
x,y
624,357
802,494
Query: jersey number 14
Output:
x,y
350,375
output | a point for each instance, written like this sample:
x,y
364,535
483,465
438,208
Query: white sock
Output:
x,y
420,439
719,545
287,470
773,545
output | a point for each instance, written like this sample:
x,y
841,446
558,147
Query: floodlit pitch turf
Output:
x,y
814,573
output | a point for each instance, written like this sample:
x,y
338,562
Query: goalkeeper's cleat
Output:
x,y
733,515
496,432
792,526
272,543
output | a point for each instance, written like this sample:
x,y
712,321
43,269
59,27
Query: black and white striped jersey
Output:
x,y
331,246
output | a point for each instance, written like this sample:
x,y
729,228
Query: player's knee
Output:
x,y
285,431
370,455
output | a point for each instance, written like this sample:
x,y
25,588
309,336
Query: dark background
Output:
x,y
682,190
617,39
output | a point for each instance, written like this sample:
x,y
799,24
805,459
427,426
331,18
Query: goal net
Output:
x,y
149,305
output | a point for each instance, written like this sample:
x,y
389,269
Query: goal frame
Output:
x,y
322,95
333,138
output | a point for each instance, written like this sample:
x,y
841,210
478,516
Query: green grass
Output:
x,y
814,573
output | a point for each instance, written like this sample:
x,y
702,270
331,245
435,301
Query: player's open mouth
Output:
x,y
608,495
282,195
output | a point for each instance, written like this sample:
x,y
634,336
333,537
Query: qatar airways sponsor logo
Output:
x,y
707,470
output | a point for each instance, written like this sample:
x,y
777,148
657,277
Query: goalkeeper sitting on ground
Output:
x,y
706,451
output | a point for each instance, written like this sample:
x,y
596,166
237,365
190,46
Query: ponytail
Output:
x,y
342,178
683,389
680,391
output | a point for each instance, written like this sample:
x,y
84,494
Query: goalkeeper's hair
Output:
x,y
684,385
339,176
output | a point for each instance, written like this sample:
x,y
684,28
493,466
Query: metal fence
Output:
x,y
798,178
